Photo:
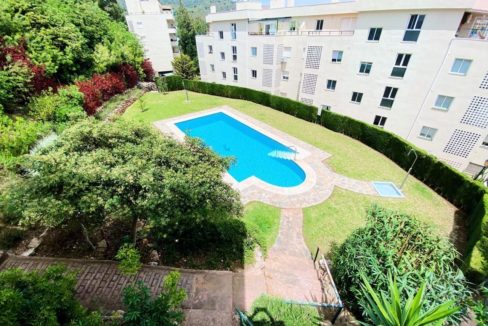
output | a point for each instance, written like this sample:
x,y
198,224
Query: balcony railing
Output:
x,y
303,33
472,33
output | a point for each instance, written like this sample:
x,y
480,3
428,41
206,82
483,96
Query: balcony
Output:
x,y
473,26
303,33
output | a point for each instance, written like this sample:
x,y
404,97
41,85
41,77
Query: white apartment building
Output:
x,y
418,68
154,25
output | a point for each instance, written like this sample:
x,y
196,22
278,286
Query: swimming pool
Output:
x,y
255,153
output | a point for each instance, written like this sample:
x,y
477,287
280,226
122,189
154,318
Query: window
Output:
x,y
224,75
374,34
388,97
460,66
413,29
212,67
293,26
443,102
485,142
286,53
365,68
222,55
337,56
254,73
401,64
331,84
356,97
221,35
234,53
210,49
427,133
285,75
233,31
254,51
234,70
379,121
319,25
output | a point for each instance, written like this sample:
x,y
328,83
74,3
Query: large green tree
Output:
x,y
186,32
113,9
68,37
184,67
125,171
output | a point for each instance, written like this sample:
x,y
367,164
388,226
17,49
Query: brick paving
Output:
x,y
100,286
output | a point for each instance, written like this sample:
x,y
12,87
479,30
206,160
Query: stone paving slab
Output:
x,y
100,285
290,272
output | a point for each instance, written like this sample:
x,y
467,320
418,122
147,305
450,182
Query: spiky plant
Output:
x,y
389,310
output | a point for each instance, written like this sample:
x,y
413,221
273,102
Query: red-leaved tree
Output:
x,y
18,54
128,73
148,70
100,88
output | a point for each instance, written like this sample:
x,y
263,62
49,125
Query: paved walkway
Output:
x,y
100,286
290,272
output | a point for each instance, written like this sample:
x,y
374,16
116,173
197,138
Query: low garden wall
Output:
x,y
465,193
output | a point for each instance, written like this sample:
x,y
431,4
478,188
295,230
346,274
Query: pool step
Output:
x,y
283,155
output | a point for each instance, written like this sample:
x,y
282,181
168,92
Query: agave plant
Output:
x,y
388,309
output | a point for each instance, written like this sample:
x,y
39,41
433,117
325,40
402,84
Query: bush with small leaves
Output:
x,y
165,309
129,259
42,298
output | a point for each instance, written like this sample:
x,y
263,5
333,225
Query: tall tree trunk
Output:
x,y
87,237
134,231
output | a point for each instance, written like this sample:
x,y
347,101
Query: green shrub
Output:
x,y
9,237
64,106
141,309
41,298
18,136
129,259
173,83
398,244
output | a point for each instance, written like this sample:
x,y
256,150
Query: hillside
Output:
x,y
201,7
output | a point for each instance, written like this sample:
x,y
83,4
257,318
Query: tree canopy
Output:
x,y
125,171
69,38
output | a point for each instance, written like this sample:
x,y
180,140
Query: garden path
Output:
x,y
290,273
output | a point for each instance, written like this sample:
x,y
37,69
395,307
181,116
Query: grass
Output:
x,y
334,219
262,223
272,311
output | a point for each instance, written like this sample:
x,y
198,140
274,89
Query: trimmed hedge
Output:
x,y
463,192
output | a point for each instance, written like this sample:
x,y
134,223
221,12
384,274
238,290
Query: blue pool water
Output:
x,y
387,189
255,154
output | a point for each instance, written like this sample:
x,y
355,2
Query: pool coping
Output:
x,y
302,154
319,178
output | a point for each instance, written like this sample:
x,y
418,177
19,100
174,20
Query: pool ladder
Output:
x,y
295,151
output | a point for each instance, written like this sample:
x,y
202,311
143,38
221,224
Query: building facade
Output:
x,y
154,25
417,68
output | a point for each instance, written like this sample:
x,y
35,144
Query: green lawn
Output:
x,y
334,219
271,311
262,222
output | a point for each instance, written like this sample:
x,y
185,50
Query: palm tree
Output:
x,y
387,309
